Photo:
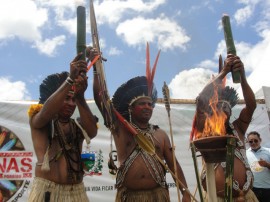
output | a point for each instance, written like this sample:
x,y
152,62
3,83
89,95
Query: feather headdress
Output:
x,y
50,84
135,88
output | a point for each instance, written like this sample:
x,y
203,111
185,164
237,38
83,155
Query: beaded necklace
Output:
x,y
71,150
153,166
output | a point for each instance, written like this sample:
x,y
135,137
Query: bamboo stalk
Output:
x,y
81,31
230,44
231,144
199,185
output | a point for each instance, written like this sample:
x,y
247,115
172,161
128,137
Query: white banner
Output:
x,y
17,157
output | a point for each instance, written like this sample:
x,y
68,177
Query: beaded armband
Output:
x,y
69,81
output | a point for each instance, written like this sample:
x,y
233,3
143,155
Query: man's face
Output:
x,y
142,109
223,106
68,106
254,141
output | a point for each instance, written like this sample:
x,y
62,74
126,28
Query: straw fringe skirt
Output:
x,y
57,192
249,197
154,195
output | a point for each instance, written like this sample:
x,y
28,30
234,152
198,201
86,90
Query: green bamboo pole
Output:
x,y
81,31
230,44
193,151
231,144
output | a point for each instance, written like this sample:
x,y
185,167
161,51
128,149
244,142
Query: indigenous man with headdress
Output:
x,y
58,139
140,176
226,99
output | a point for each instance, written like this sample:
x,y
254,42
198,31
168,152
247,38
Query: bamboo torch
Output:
x,y
81,31
230,44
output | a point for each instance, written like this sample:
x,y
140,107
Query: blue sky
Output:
x,y
38,38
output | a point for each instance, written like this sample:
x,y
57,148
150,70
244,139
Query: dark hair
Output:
x,y
254,133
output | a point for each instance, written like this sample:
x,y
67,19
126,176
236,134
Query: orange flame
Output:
x,y
215,123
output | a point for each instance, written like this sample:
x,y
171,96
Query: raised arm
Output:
x,y
100,91
53,104
87,119
246,114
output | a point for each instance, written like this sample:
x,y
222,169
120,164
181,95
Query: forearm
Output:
x,y
248,95
182,178
52,106
87,119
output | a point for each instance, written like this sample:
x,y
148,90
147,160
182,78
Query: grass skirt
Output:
x,y
56,192
158,194
249,197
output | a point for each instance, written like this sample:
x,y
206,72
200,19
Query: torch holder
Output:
x,y
213,149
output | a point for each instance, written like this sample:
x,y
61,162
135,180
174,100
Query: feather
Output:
x,y
148,70
153,73
220,65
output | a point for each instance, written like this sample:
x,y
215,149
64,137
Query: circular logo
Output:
x,y
8,142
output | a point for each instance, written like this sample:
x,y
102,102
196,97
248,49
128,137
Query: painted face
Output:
x,y
142,109
254,141
68,106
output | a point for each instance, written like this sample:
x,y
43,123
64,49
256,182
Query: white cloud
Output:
x,y
48,46
22,19
111,11
25,19
168,34
243,14
243,50
189,83
260,54
13,90
115,51
209,64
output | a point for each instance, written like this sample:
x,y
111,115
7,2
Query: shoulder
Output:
x,y
265,149
157,129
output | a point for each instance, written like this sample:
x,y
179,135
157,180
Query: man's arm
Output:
x,y
53,104
87,119
168,155
100,91
246,114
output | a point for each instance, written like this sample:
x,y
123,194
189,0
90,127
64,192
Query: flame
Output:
x,y
214,123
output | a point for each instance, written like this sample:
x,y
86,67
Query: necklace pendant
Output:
x,y
68,147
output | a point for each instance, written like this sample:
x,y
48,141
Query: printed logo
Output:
x,y
92,162
15,164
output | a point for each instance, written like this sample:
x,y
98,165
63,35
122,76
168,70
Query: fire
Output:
x,y
215,122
